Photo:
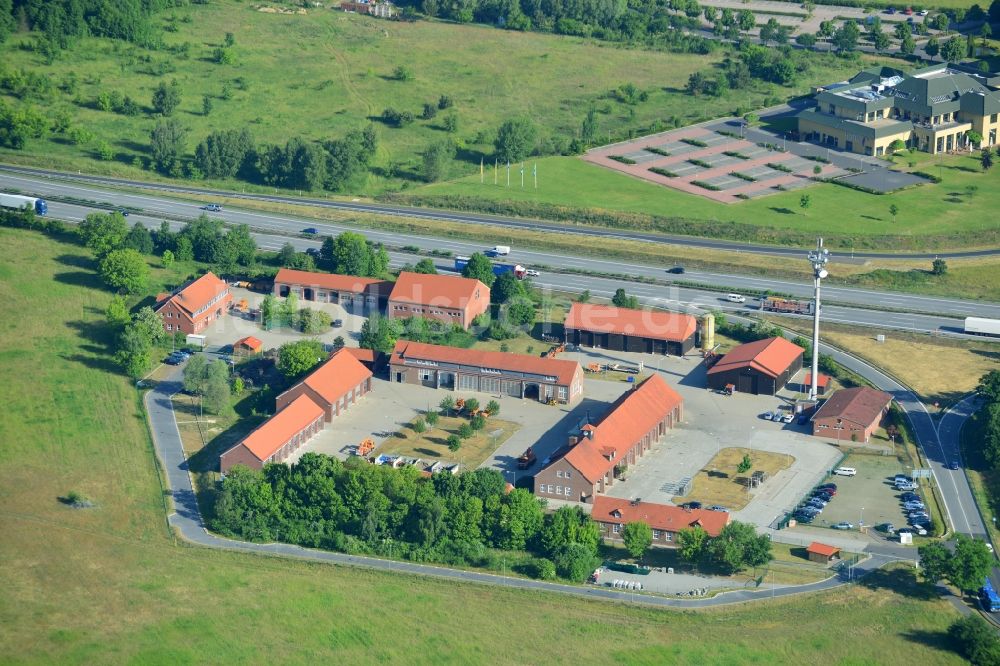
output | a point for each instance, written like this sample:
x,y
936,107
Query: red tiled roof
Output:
x,y
862,405
640,323
336,376
446,291
658,516
822,549
629,419
821,379
363,355
249,341
348,283
561,369
772,356
274,432
199,293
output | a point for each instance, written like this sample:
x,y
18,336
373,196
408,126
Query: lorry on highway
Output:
x,y
786,305
980,326
498,251
518,270
989,598
526,459
19,202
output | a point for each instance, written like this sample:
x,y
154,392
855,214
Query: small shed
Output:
x,y
822,553
247,346
822,383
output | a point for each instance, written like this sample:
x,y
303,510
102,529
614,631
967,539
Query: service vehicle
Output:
x,y
526,459
736,298
518,270
982,326
845,471
786,305
988,597
498,251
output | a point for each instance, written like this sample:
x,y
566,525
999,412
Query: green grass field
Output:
x,y
940,210
323,73
110,584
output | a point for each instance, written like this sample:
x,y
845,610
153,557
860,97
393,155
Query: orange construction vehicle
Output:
x,y
366,447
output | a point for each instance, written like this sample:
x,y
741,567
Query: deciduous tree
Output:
x,y
125,270
479,268
637,537
296,358
515,139
103,232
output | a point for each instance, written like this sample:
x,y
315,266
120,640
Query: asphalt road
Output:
x,y
39,176
909,318
187,520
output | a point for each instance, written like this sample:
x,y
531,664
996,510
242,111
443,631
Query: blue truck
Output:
x,y
19,202
989,598
518,270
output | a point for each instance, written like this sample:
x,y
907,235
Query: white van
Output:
x,y
500,251
736,298
845,471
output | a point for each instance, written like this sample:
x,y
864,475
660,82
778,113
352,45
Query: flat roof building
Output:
x,y
499,373
624,329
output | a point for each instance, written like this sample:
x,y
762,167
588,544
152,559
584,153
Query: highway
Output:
x,y
907,312
37,177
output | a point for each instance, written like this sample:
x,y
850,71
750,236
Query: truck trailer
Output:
x,y
786,305
980,326
19,202
518,270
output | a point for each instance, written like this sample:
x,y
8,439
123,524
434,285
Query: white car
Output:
x,y
531,272
845,471
788,418
736,298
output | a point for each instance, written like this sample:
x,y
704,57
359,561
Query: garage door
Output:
x,y
512,389
746,384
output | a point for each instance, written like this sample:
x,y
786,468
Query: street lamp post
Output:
x,y
819,258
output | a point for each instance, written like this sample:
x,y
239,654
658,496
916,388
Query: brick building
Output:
x,y
193,307
852,414
499,373
335,385
762,367
636,421
348,291
447,298
623,329
278,437
613,513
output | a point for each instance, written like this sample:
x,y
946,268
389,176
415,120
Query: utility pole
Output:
x,y
819,258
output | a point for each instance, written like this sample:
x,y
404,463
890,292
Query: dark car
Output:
x,y
831,486
313,252
337,323
953,464
124,213
693,505
676,270
310,230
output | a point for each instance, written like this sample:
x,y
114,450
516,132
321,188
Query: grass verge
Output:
x,y
432,445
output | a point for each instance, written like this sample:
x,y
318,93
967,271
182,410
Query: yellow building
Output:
x,y
931,110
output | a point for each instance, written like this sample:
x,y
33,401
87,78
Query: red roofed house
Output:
x,y
822,383
612,514
499,373
346,290
335,385
762,367
634,423
622,329
442,297
851,414
822,553
192,308
247,346
276,438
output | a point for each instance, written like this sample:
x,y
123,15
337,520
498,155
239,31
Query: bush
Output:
x,y
478,422
419,426
464,431
432,418
454,442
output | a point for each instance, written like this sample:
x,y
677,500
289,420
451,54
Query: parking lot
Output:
x,y
869,498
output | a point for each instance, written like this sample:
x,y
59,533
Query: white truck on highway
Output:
x,y
498,251
19,202
981,326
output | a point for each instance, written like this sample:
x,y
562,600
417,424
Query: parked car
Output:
x,y
888,528
912,530
843,526
922,12
914,506
845,471
767,416
716,507
692,505
906,486
337,323
788,418
173,360
803,518
816,502
831,486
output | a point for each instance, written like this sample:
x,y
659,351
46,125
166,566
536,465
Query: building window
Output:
x,y
616,528
567,475
169,327
566,491
562,392
656,535
558,490
559,474
993,118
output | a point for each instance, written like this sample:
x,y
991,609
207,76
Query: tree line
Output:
x,y
356,507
